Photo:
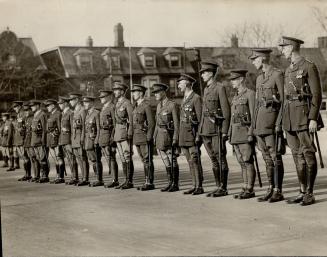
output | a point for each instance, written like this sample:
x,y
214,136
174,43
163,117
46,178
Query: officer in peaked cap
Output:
x,y
3,150
27,151
267,121
106,135
190,116
38,142
143,128
91,142
214,125
78,137
241,131
124,133
19,133
166,135
53,133
65,141
300,117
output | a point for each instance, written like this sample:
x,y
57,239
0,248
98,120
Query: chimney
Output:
x,y
234,41
89,41
322,42
119,35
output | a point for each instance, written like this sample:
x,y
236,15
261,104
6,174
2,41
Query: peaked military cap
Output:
x,y
186,77
35,102
74,95
104,92
208,66
17,103
290,41
7,114
26,105
63,99
119,85
138,87
157,87
49,102
257,52
88,98
237,73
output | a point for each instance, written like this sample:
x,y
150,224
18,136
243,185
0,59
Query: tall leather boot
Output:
x,y
57,175
270,171
36,171
309,198
301,170
61,174
11,163
74,173
198,178
192,171
149,178
85,173
130,173
124,166
170,179
45,173
27,168
17,166
175,186
250,173
114,170
222,191
277,195
99,172
216,173
5,161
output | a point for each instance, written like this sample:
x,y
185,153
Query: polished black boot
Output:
x,y
248,193
198,178
309,198
5,161
114,171
130,173
61,174
99,172
216,173
124,166
27,168
170,180
11,164
85,174
267,195
175,186
222,191
17,166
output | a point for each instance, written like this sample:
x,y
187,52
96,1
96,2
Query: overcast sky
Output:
x,y
153,22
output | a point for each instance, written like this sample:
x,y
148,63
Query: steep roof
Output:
x,y
69,63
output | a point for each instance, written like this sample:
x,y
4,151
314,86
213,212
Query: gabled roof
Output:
x,y
172,50
82,51
110,51
146,50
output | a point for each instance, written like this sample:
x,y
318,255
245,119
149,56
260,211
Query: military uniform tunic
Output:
x,y
78,128
19,127
92,129
107,124
124,120
66,127
7,134
53,128
39,131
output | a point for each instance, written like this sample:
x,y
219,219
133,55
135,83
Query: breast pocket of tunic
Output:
x,y
301,113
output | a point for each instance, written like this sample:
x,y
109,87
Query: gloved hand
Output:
x,y
224,137
250,139
198,140
175,143
278,129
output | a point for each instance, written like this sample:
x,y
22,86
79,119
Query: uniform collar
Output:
x,y
164,101
188,94
242,92
138,102
66,109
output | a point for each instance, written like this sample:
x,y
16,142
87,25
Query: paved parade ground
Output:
x,y
59,220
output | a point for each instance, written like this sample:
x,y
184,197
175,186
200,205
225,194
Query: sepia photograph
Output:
x,y
163,128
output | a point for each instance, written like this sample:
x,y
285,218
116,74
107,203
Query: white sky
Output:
x,y
152,23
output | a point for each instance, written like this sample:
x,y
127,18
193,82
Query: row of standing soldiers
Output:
x,y
76,132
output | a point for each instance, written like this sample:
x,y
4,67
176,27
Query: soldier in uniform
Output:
x,y
27,157
53,133
241,131
3,150
303,96
78,136
143,128
166,135
19,132
106,136
7,139
190,116
65,137
91,141
214,126
38,142
124,133
267,121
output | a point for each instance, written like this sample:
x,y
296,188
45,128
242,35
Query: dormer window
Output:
x,y
174,57
112,58
147,57
149,61
84,60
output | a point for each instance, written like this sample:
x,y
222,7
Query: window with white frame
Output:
x,y
175,61
149,61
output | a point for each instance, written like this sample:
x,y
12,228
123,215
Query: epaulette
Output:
x,y
308,60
